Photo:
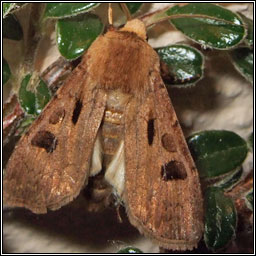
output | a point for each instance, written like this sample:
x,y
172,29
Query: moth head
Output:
x,y
136,26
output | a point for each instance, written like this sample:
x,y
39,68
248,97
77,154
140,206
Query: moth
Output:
x,y
113,115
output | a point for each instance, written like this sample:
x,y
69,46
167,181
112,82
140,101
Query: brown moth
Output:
x,y
114,112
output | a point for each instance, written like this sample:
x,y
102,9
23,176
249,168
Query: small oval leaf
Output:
x,y
230,180
130,250
42,96
27,98
208,24
181,65
249,199
25,123
220,219
64,10
7,8
6,71
133,7
250,141
249,24
242,58
75,35
12,28
217,152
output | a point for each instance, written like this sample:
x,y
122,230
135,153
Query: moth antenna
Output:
x,y
126,11
110,14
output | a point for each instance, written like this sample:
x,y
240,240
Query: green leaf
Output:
x,y
63,10
230,180
27,98
6,71
220,219
208,24
130,250
133,7
11,28
42,96
242,59
33,103
183,64
25,123
249,199
250,142
75,35
249,23
217,152
7,8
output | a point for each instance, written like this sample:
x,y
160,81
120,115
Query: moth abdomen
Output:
x,y
112,128
111,140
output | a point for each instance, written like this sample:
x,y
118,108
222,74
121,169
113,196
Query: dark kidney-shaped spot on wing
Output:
x,y
173,170
151,131
57,116
168,142
77,111
46,140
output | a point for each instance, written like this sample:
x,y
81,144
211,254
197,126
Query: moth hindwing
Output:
x,y
114,114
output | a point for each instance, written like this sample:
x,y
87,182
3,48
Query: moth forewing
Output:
x,y
50,163
114,109
163,195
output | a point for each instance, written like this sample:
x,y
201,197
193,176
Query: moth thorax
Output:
x,y
136,26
